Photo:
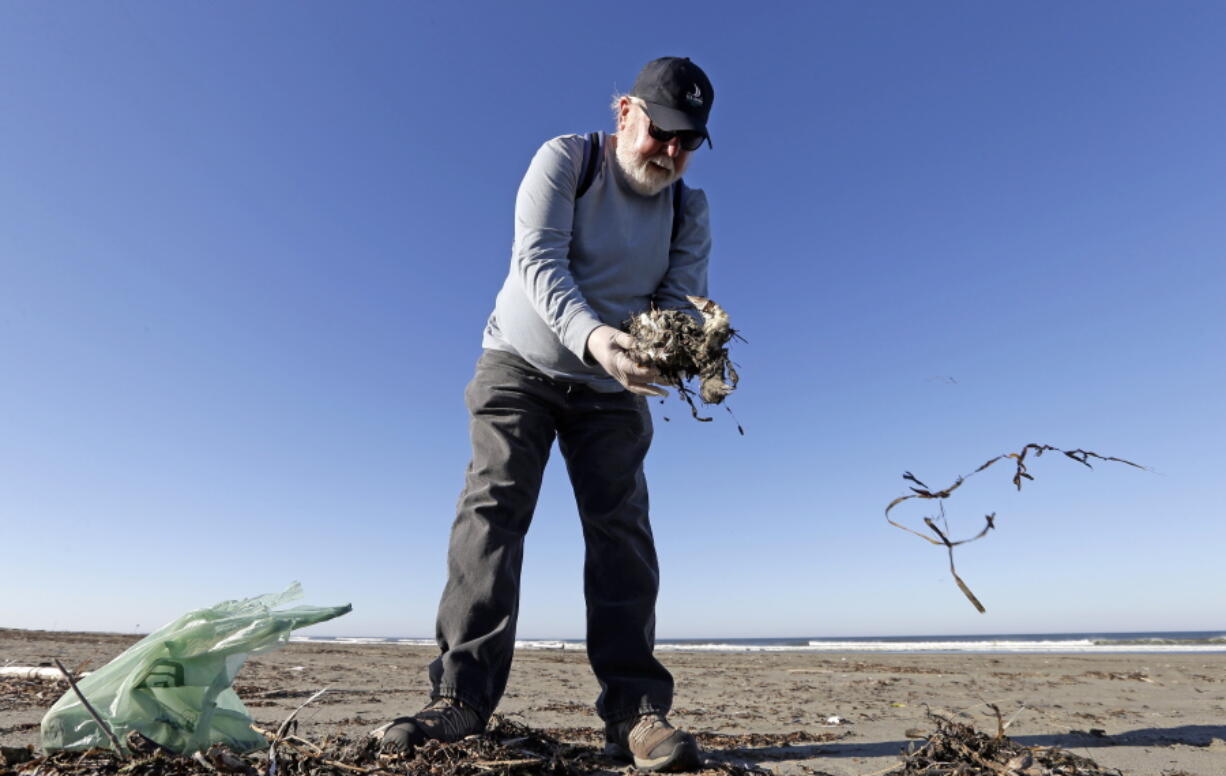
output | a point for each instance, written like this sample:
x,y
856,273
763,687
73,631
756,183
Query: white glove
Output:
x,y
610,348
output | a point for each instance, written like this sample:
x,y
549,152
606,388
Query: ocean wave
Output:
x,y
1016,646
987,645
1079,643
549,644
723,646
1219,639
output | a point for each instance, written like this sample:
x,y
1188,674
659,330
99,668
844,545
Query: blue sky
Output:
x,y
247,251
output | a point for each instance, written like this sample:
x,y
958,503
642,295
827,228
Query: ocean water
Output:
x,y
1142,642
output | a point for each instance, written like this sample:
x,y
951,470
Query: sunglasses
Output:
x,y
690,139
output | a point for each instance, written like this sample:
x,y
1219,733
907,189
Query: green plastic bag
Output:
x,y
173,686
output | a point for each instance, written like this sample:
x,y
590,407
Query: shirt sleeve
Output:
x,y
688,256
544,217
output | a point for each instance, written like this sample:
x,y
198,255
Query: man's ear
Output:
x,y
623,113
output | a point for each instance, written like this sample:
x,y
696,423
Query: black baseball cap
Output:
x,y
678,94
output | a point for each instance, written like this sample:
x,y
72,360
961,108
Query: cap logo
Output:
x,y
695,97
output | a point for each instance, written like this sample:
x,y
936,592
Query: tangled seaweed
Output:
x,y
959,749
505,748
18,693
1020,474
681,349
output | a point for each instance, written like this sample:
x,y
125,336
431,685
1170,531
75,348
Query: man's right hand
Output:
x,y
610,348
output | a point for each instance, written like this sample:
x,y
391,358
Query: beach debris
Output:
x,y
15,755
174,685
17,693
505,748
285,727
46,673
219,758
139,744
1021,473
1134,676
955,748
682,349
742,743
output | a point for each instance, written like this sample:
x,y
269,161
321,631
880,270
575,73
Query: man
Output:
x,y
595,243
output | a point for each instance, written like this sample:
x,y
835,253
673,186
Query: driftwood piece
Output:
x,y
110,734
44,673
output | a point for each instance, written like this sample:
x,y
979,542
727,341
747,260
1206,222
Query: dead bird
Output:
x,y
676,344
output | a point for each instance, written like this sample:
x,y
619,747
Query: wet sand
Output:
x,y
1148,715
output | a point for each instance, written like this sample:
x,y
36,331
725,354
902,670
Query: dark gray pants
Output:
x,y
516,413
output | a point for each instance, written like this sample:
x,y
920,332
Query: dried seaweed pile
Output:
x,y
744,743
675,343
960,750
1020,474
18,693
506,748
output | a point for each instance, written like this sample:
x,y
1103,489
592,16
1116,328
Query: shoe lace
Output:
x,y
647,723
448,713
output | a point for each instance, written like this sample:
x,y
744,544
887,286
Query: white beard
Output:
x,y
646,175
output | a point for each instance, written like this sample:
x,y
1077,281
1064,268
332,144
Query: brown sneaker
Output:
x,y
652,743
444,719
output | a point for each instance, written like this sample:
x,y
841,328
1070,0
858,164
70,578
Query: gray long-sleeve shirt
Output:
x,y
574,268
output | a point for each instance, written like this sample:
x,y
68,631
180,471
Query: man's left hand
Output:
x,y
611,348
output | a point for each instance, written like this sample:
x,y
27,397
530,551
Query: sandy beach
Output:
x,y
1145,714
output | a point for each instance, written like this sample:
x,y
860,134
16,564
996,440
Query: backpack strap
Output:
x,y
678,206
591,164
